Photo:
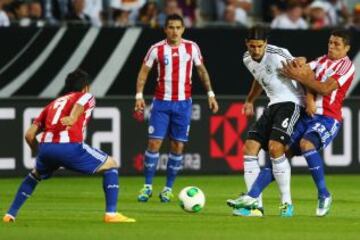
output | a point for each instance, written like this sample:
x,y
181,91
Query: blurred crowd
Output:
x,y
279,14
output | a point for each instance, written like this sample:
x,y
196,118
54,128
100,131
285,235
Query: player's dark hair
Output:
x,y
76,81
345,35
257,33
173,17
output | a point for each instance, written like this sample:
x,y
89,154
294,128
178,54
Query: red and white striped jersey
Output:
x,y
343,71
49,118
174,66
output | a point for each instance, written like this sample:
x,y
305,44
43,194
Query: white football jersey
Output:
x,y
266,72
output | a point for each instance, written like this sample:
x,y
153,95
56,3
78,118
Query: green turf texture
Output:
x,y
72,208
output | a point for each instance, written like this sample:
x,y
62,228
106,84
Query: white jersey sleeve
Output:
x,y
287,55
85,99
151,56
197,57
313,64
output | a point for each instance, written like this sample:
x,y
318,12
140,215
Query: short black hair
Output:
x,y
257,33
76,81
173,17
344,34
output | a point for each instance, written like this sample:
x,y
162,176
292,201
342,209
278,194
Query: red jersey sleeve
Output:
x,y
344,72
40,120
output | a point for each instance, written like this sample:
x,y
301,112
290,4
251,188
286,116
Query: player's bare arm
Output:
x,y
140,84
30,137
76,112
310,103
306,76
255,92
205,79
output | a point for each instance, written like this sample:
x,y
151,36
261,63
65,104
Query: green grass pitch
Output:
x,y
72,208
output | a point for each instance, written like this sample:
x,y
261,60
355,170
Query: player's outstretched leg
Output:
x,y
251,172
248,201
111,190
25,190
150,164
282,173
316,167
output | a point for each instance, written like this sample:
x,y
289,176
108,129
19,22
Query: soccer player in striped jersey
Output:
x,y
172,104
62,124
272,131
327,79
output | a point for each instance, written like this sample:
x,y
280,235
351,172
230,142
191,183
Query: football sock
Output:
x,y
111,189
262,181
150,164
24,192
174,164
316,167
251,172
282,175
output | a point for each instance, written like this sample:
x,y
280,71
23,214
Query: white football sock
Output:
x,y
282,175
251,172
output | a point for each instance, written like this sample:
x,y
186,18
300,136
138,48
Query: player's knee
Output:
x,y
109,164
276,149
35,174
306,145
177,147
154,145
251,148
112,163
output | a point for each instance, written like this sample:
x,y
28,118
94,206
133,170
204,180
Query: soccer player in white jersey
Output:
x,y
273,129
172,104
327,79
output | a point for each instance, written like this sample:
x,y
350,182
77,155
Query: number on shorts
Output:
x,y
285,123
59,106
319,128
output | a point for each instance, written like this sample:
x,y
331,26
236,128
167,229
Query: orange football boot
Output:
x,y
8,218
117,218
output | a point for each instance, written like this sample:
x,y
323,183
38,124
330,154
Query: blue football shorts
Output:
x,y
170,118
78,157
326,128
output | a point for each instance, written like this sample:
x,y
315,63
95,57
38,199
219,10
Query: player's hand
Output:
x,y
139,105
300,61
67,121
213,105
248,109
294,70
139,108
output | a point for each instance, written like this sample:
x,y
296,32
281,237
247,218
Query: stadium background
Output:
x,y
39,48
36,61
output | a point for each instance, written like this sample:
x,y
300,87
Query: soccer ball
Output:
x,y
192,199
